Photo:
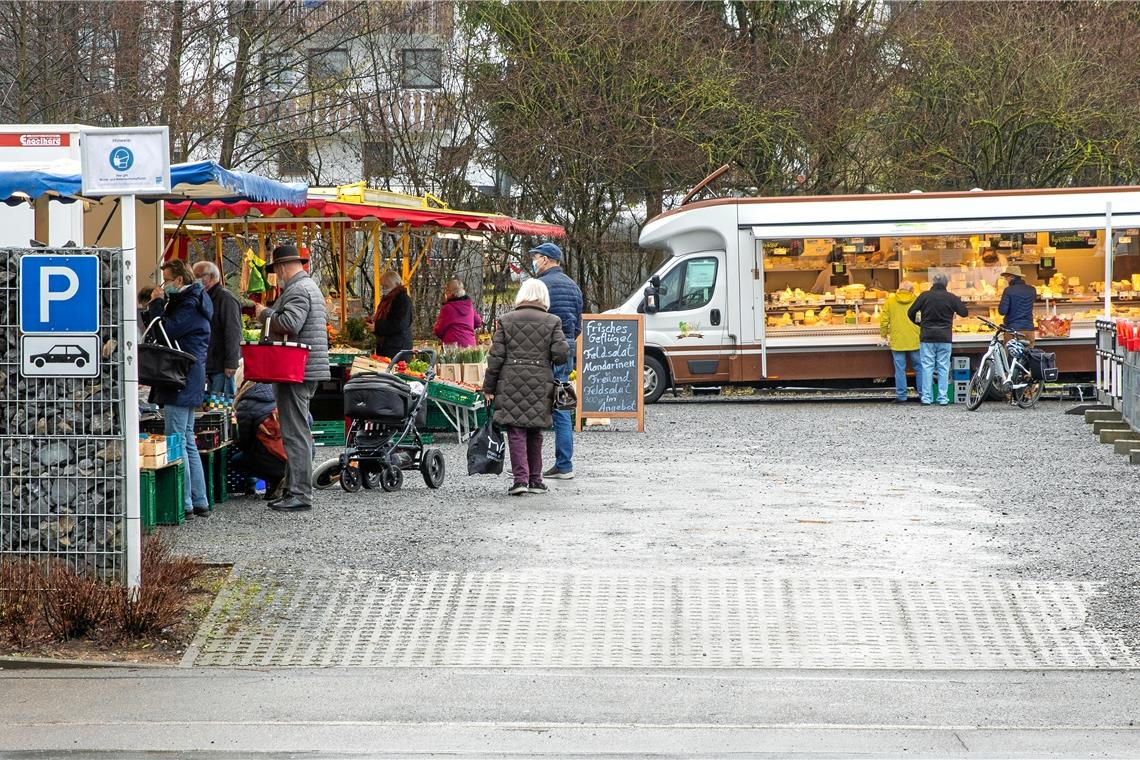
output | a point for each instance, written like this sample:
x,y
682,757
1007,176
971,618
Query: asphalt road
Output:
x,y
480,713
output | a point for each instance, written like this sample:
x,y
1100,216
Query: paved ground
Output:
x,y
992,534
747,578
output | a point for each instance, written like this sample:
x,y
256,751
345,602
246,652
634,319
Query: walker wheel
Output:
x,y
432,468
350,479
391,478
371,478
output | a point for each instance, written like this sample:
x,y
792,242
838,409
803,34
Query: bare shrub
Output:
x,y
19,602
160,599
72,605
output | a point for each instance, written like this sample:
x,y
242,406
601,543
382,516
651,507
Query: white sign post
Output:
x,y
126,162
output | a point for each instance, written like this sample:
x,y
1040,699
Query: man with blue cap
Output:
x,y
566,304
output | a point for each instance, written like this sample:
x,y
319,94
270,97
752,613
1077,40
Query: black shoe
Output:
x,y
556,474
899,401
291,504
201,511
518,489
188,515
536,488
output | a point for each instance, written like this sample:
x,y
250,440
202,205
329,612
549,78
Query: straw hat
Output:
x,y
1012,271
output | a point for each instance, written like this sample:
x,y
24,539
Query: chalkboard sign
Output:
x,y
610,361
1068,239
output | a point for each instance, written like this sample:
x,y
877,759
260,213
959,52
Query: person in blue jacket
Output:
x,y
566,304
187,321
1017,303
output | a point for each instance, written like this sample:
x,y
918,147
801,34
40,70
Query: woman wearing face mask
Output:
x,y
392,322
186,319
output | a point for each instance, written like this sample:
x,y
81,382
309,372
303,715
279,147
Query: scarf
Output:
x,y
385,304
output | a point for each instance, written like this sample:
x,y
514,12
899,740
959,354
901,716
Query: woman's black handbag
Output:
x,y
486,449
565,396
163,366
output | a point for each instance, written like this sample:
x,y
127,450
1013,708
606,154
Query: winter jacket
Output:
x,y
259,433
394,332
527,343
565,301
225,331
299,315
457,323
937,307
1017,305
187,321
895,324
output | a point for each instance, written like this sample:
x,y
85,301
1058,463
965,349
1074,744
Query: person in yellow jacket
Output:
x,y
901,334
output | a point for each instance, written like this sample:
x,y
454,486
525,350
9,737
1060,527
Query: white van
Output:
x,y
775,290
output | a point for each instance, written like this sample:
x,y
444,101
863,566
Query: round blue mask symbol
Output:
x,y
121,159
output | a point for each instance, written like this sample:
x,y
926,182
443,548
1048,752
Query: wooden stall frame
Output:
x,y
579,414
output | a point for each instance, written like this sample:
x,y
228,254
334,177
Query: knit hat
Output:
x,y
549,250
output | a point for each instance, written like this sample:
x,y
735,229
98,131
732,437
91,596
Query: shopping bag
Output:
x,y
486,449
274,361
163,366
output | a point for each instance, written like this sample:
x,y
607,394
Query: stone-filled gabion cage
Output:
x,y
62,485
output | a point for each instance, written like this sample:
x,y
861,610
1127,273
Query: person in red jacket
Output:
x,y
458,320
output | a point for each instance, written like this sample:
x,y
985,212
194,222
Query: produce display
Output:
x,y
1054,326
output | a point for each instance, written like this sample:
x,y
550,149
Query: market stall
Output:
x,y
358,230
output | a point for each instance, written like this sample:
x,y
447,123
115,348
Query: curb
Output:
x,y
51,663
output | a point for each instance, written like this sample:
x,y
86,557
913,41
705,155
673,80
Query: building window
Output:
x,y
293,158
377,159
327,65
422,68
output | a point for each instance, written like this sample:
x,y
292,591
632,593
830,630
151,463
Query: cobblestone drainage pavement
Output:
x,y
608,619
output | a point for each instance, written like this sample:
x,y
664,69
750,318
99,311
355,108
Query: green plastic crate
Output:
x,y
168,496
215,467
328,432
146,500
454,395
345,360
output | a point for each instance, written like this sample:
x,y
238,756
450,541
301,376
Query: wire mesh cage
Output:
x,y
62,483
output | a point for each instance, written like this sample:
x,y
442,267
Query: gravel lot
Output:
x,y
838,489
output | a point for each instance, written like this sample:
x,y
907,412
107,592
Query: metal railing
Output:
x,y
1118,369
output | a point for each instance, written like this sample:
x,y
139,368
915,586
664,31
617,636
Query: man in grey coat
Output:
x,y
297,315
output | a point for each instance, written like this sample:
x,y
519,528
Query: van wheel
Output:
x,y
655,379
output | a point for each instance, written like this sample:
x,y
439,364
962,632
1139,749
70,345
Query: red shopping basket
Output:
x,y
269,361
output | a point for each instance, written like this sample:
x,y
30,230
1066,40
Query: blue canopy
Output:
x,y
199,181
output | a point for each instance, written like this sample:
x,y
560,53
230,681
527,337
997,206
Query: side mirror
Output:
x,y
652,304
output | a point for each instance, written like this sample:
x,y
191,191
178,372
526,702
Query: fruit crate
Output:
x,y
344,360
328,432
164,489
454,395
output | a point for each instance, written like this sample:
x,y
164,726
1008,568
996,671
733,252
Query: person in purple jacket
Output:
x,y
458,320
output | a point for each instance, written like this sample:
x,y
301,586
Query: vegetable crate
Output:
x,y
328,432
454,395
344,360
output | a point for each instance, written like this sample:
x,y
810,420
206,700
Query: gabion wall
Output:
x,y
62,488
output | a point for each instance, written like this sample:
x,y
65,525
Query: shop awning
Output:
x,y
198,180
317,209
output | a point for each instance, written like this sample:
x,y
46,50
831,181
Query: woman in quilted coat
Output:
x,y
520,380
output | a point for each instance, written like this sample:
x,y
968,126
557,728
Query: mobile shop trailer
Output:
x,y
772,290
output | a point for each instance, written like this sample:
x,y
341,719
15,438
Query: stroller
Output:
x,y
383,441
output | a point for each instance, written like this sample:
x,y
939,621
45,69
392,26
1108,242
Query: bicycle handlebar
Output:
x,y
1000,328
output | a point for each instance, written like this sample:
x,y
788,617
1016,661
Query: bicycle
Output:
x,y
1003,371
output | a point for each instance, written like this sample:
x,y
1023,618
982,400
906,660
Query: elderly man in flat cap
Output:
x,y
297,315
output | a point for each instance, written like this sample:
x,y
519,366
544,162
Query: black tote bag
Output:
x,y
163,366
486,449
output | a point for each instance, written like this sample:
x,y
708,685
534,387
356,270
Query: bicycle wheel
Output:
x,y
1028,396
979,385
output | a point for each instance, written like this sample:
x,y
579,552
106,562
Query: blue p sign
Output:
x,y
121,159
59,294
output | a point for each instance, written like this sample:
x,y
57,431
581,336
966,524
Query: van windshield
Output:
x,y
689,285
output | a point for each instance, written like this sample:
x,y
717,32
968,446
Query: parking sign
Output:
x,y
59,295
